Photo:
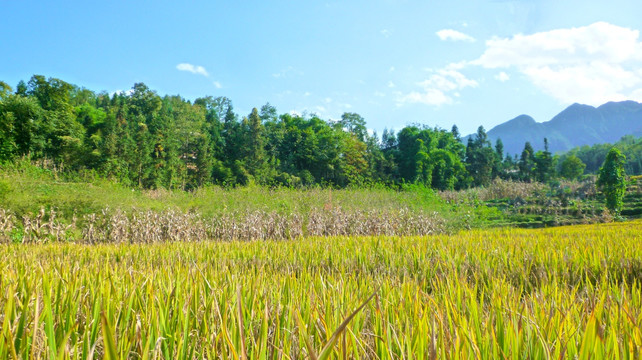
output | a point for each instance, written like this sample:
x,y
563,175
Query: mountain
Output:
x,y
576,125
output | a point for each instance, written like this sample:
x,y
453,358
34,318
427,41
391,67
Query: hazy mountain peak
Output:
x,y
521,120
577,125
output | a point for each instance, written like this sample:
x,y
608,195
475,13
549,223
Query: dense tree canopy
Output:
x,y
144,140
593,156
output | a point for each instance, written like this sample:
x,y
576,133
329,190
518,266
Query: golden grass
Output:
x,y
567,292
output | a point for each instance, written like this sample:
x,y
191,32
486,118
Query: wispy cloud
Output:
x,y
217,84
454,35
287,72
386,33
591,64
502,77
439,89
194,69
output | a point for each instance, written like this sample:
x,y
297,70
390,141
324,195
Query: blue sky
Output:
x,y
394,62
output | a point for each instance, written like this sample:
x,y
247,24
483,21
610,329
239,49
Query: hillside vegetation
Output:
x,y
38,205
145,141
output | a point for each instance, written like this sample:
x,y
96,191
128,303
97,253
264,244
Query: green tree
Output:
x,y
203,161
354,124
268,113
447,169
612,180
499,149
455,131
526,162
480,158
140,167
117,150
52,94
5,90
543,164
498,168
21,123
572,167
423,167
430,157
21,88
254,144
353,164
216,110
7,136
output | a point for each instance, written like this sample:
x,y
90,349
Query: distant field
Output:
x,y
565,292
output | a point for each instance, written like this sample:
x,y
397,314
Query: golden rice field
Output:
x,y
560,293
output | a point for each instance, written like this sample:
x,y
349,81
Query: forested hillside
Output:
x,y
593,156
144,140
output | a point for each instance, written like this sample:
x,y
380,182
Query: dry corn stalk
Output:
x,y
7,221
174,226
45,227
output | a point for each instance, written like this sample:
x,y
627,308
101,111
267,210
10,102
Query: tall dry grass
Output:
x,y
498,189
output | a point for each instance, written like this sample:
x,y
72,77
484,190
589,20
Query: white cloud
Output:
x,y
457,66
283,94
217,84
288,72
454,35
636,94
379,94
194,69
502,77
392,68
391,84
433,97
385,33
590,64
439,89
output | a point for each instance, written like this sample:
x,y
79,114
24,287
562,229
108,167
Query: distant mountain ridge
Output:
x,y
576,125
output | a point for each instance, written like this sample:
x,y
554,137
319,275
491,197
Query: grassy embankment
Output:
x,y
37,205
77,204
